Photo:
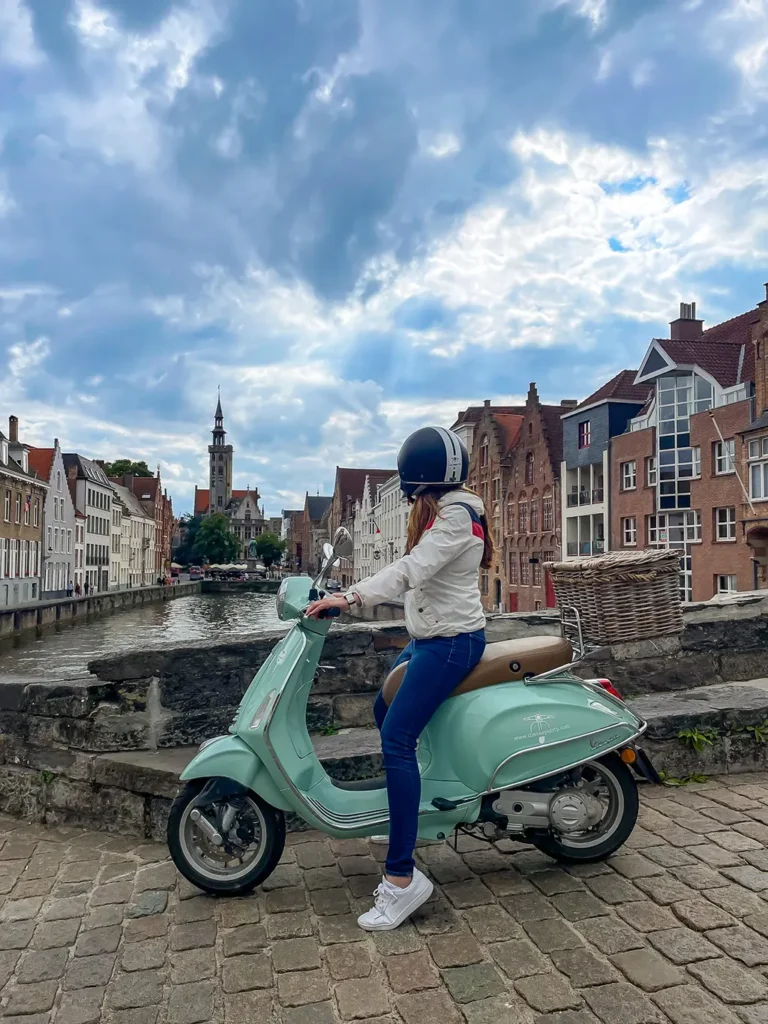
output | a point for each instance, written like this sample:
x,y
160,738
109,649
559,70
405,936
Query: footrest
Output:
x,y
442,804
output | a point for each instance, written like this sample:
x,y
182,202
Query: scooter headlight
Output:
x,y
264,709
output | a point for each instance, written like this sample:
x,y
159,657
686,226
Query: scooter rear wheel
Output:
x,y
615,827
210,867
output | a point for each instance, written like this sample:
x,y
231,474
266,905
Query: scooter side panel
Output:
x,y
229,758
508,734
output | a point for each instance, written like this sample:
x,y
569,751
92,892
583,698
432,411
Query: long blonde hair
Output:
x,y
426,509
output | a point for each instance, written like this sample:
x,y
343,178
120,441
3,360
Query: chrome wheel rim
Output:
x,y
214,862
606,787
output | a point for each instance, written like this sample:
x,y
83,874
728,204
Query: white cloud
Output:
x,y
440,144
17,41
26,356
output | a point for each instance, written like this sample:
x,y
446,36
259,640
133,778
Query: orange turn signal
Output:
x,y
628,756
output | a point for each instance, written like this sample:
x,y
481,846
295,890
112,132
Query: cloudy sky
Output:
x,y
357,216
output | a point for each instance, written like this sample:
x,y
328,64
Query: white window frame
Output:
x,y
629,531
725,524
731,585
725,457
757,454
585,434
629,473
652,473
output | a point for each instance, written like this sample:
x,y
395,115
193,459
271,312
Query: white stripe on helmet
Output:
x,y
452,456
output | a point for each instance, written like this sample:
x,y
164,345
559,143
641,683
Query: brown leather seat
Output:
x,y
504,662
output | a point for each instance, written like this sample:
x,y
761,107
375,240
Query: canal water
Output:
x,y
66,651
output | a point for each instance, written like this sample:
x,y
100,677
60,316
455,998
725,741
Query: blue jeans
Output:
x,y
435,668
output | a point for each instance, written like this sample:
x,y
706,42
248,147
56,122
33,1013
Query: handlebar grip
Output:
x,y
330,613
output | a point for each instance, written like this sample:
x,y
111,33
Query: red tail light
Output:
x,y
608,686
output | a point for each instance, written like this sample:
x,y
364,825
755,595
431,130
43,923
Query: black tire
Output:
x,y
273,829
572,853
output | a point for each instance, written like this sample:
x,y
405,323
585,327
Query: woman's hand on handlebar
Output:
x,y
332,601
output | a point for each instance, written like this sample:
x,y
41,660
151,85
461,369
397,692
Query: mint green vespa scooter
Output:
x,y
522,749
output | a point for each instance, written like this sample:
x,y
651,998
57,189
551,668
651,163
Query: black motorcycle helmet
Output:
x,y
432,457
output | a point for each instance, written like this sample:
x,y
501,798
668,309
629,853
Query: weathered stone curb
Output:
x,y
131,791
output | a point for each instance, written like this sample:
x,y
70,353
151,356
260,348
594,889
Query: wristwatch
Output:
x,y
352,599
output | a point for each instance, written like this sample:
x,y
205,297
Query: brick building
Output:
x,y
682,476
313,532
496,430
22,497
347,492
515,468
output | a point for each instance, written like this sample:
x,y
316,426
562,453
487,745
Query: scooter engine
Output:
x,y
564,810
572,810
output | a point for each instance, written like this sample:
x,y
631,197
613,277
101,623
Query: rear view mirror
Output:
x,y
343,545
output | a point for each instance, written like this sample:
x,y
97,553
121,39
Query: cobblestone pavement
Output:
x,y
674,928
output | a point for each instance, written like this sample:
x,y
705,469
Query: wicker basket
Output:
x,y
622,596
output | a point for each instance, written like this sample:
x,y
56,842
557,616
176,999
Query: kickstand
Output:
x,y
456,840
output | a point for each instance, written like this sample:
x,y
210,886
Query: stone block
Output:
x,y
683,946
353,710
467,984
142,988
295,955
582,967
428,1008
556,994
647,970
358,998
687,1004
243,973
729,981
348,960
621,1003
191,1004
81,1007
411,972
89,971
301,987
193,965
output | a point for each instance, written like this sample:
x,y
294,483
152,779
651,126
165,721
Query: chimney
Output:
x,y
487,403
686,327
13,429
569,403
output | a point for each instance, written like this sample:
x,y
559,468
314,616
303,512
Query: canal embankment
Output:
x,y
45,614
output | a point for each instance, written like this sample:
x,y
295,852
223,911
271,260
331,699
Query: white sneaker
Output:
x,y
380,840
393,905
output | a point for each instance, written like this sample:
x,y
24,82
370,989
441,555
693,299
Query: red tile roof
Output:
x,y
621,387
41,460
350,482
202,499
473,413
509,424
724,351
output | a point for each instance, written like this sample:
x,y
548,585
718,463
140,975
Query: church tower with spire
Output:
x,y
220,458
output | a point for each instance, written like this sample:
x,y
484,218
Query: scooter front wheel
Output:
x,y
227,848
612,783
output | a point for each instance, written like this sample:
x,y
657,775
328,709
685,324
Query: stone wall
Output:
x,y
70,609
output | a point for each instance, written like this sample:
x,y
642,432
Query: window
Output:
x,y
650,471
513,567
758,471
629,532
529,464
484,583
546,509
36,519
696,452
484,452
525,569
537,571
511,516
27,504
674,529
18,508
69,542
725,523
534,517
496,488
584,434
522,517
725,457
628,476
725,585
7,511
219,501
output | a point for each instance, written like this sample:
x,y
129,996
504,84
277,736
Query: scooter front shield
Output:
x,y
228,757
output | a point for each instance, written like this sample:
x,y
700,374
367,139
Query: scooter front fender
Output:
x,y
229,757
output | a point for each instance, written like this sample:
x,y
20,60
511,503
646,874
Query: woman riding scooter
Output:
x,y
447,543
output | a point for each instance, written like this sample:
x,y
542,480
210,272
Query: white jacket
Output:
x,y
439,578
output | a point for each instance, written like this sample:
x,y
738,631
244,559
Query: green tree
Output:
x,y
269,548
189,526
214,543
122,466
